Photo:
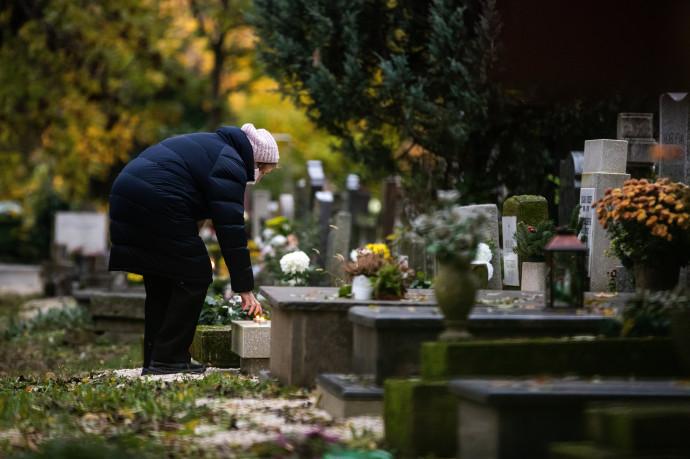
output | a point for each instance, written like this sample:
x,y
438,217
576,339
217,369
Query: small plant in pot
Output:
x,y
529,245
372,272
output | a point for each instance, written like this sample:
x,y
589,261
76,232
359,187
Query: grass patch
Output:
x,y
58,399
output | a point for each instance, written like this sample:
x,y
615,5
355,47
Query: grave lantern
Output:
x,y
565,270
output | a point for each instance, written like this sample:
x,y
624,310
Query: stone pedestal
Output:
x,y
252,342
212,346
604,167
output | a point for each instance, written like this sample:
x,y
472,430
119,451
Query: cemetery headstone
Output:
x,y
389,215
638,130
85,232
338,244
569,185
674,161
260,210
287,205
316,179
526,208
490,231
604,167
674,156
324,206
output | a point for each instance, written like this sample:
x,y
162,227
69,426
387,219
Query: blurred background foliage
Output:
x,y
374,88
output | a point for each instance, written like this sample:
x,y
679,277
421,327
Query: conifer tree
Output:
x,y
406,84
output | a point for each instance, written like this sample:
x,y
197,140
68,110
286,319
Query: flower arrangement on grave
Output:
x,y
296,268
273,246
374,266
280,225
530,240
647,222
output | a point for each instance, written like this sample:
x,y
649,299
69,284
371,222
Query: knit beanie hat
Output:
x,y
264,145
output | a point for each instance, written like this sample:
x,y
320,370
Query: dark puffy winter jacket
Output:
x,y
160,195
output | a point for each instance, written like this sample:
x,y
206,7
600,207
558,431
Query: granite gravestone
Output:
x,y
674,161
638,130
604,167
569,185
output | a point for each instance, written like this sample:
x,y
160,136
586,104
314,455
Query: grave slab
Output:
x,y
118,315
311,333
387,339
21,279
504,418
344,396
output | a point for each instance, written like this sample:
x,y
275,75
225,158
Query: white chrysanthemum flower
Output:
x,y
484,254
278,240
294,263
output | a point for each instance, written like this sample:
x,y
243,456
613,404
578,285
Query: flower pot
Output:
x,y
362,287
455,288
656,277
679,322
533,276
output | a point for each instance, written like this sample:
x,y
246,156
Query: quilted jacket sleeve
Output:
x,y
225,194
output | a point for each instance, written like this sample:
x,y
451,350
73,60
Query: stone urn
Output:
x,y
656,277
533,276
455,288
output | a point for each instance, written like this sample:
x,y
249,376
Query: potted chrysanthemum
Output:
x,y
649,227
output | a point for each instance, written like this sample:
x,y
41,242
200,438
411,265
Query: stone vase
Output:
x,y
455,288
533,276
680,333
656,277
362,288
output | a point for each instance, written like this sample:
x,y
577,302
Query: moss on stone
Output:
x,y
642,357
420,418
212,346
527,208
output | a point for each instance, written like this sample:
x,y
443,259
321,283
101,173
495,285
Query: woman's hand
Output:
x,y
249,301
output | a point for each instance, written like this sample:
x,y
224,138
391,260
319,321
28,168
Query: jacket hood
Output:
x,y
237,139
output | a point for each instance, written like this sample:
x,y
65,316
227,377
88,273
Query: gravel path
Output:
x,y
259,420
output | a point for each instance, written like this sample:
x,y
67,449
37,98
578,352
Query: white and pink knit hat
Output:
x,y
264,145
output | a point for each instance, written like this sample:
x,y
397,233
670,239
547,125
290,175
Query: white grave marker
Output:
x,y
85,231
510,259
586,212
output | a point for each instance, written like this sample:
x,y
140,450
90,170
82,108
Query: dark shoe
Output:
x,y
161,368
